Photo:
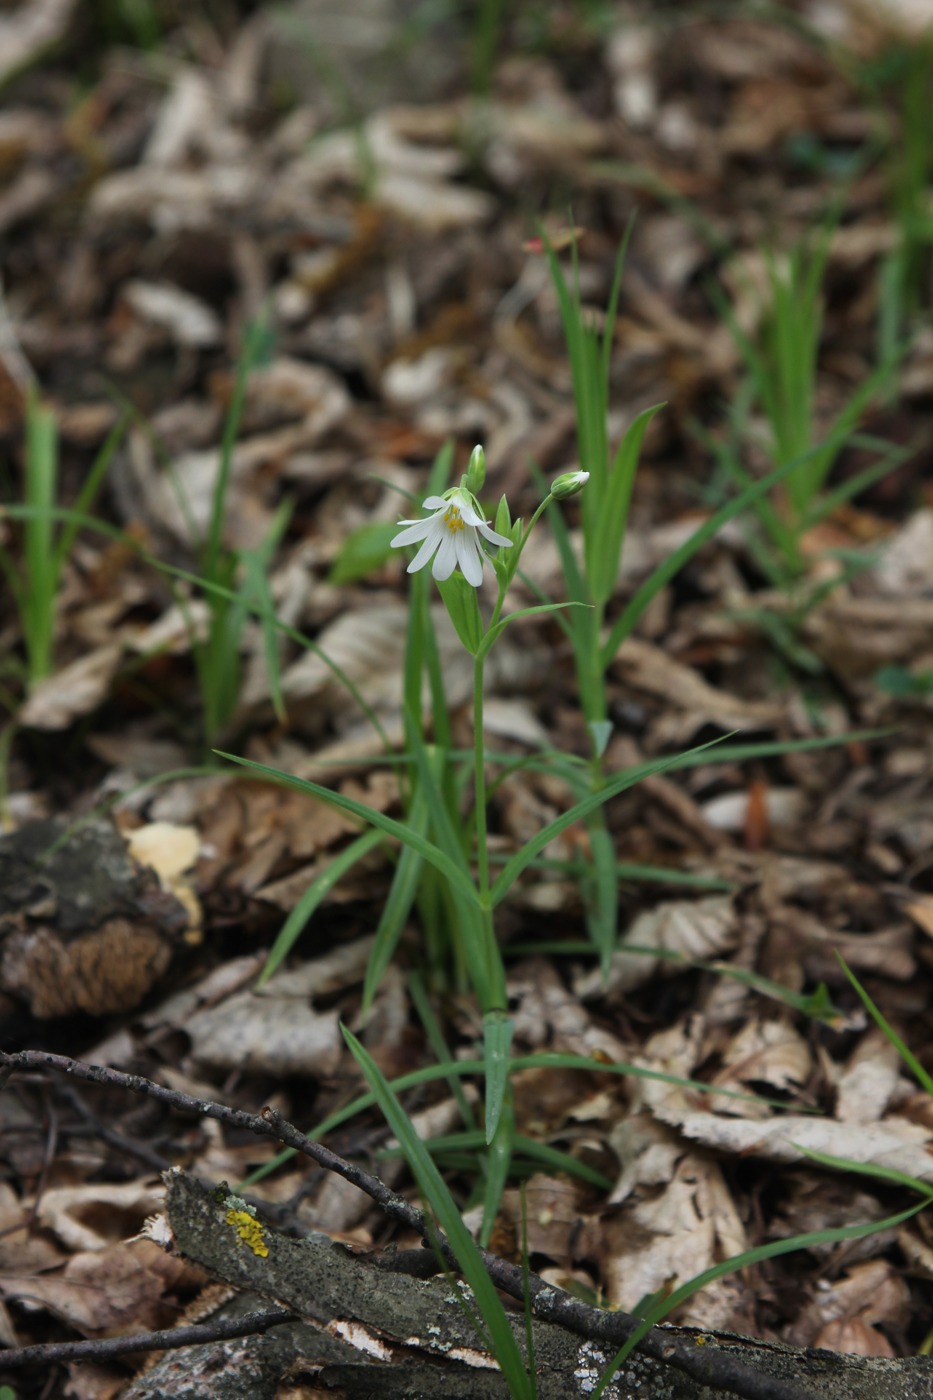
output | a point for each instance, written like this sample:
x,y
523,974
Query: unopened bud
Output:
x,y
476,471
568,484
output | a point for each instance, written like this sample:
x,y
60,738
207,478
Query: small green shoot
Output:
x,y
781,365
35,587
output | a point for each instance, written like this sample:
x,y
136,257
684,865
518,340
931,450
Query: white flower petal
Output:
x,y
470,557
424,553
446,560
492,537
468,512
415,530
434,503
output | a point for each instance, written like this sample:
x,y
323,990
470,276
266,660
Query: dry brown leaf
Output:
x,y
764,1056
857,636
186,318
186,113
546,1014
29,30
73,691
853,1335
842,1314
109,1291
693,929
22,1249
894,1143
273,1028
267,1031
669,1237
90,1380
552,1219
695,702
97,1215
869,1081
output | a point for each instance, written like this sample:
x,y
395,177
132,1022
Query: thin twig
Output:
x,y
169,1339
707,1365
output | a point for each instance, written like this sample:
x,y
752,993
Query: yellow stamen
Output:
x,y
453,519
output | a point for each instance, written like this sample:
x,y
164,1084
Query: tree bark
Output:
x,y
379,1333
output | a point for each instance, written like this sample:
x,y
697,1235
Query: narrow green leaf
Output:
x,y
523,858
744,1261
463,609
498,1030
498,1166
891,1035
545,1060
398,904
494,633
601,731
440,1049
846,1164
676,561
89,489
313,896
433,1189
604,547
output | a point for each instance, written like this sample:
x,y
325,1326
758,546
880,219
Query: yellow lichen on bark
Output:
x,y
249,1230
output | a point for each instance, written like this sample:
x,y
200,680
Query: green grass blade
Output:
x,y
465,1068
434,1190
498,1166
604,547
494,633
889,1174
665,571
744,1261
890,1034
691,758
254,347
523,858
498,1030
89,489
554,1160
526,1148
602,887
313,896
40,579
213,590
398,904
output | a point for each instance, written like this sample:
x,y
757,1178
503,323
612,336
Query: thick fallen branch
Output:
x,y
327,1284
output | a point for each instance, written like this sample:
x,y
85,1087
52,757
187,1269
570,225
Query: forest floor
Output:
x,y
179,182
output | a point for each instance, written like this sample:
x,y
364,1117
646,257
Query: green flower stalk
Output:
x,y
451,537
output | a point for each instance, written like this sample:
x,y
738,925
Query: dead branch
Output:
x,y
168,1339
704,1364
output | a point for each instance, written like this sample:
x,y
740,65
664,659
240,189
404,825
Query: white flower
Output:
x,y
451,535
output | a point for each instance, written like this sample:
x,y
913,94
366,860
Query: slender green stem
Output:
x,y
479,779
513,561
495,973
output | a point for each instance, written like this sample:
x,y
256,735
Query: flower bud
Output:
x,y
476,471
568,484
503,522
